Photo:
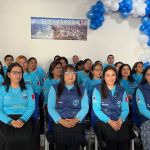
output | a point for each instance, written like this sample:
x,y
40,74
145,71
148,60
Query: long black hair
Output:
x,y
1,70
7,79
61,85
103,87
135,66
130,78
52,67
144,73
92,68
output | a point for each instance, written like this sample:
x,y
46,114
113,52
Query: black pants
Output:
x,y
118,145
66,147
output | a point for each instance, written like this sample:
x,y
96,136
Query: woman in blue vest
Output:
x,y
143,102
110,105
68,106
137,71
17,104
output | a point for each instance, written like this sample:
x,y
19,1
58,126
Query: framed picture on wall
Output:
x,y
58,28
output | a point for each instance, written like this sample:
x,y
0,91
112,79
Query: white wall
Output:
x,y
116,36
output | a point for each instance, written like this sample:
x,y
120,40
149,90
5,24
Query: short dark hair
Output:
x,y
8,56
110,55
31,59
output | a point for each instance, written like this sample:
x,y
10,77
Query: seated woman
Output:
x,y
110,105
143,102
68,105
17,104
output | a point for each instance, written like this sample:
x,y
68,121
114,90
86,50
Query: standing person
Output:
x,y
110,61
137,71
9,59
110,106
84,74
1,74
75,60
68,106
143,102
17,104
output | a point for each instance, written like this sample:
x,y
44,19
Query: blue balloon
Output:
x,y
95,8
148,43
99,4
147,10
124,15
102,10
142,28
123,9
144,19
127,3
93,26
90,14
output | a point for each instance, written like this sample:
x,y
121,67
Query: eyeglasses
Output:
x,y
98,70
16,73
147,74
70,73
58,68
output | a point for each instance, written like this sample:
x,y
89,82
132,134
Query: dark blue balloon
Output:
x,y
124,15
99,4
127,3
90,14
148,43
147,10
144,19
142,28
95,8
102,10
93,26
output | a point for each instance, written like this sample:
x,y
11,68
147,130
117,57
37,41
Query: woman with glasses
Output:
x,y
143,102
17,104
68,106
95,78
110,105
54,74
31,79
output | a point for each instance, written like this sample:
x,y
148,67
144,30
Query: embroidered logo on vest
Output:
x,y
76,102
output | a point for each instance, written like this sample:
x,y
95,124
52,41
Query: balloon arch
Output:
x,y
135,8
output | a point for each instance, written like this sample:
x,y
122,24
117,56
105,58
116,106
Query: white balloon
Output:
x,y
107,3
138,8
114,7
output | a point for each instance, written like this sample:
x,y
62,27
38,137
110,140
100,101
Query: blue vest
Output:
x,y
111,106
145,89
69,103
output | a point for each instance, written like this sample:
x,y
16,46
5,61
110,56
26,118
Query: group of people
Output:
x,y
114,97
